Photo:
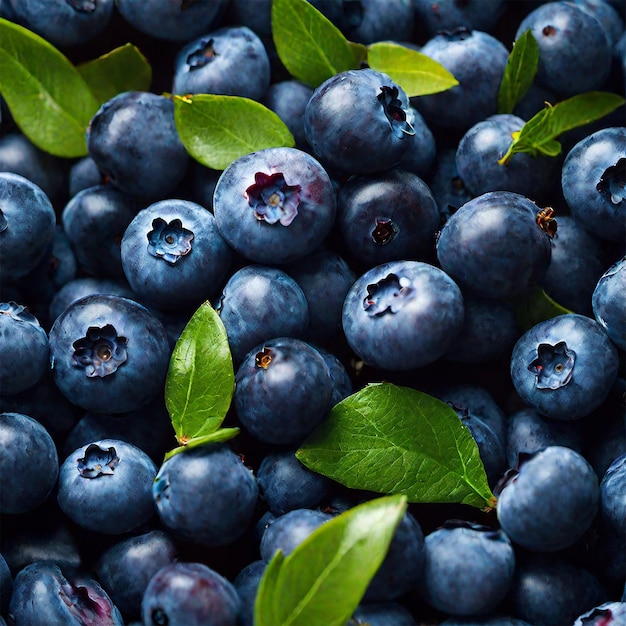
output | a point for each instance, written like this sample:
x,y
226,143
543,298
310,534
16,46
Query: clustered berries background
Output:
x,y
368,371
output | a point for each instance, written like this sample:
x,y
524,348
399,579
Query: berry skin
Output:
x,y
608,302
402,315
560,483
565,366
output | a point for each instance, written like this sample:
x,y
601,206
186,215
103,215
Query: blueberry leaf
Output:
x,y
218,436
415,72
121,69
323,580
46,95
390,439
216,130
200,379
538,306
310,47
539,134
519,72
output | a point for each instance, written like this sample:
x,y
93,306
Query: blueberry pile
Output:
x,y
177,338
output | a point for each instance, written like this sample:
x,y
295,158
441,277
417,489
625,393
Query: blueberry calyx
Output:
x,y
83,6
203,54
457,34
169,241
101,351
388,295
272,199
553,366
263,358
392,106
89,611
612,183
4,224
598,617
159,617
384,231
98,461
546,222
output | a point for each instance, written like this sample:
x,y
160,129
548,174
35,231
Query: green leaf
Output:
x,y
310,47
216,130
323,580
48,98
536,307
121,69
519,72
200,379
539,134
219,436
415,72
391,439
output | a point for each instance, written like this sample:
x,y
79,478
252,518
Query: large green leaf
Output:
x,y
519,72
415,72
216,130
200,379
121,69
308,44
323,580
391,439
47,96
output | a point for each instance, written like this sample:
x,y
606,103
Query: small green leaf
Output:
x,y
48,98
121,69
539,134
415,72
200,380
310,46
219,436
216,130
323,580
391,439
519,72
536,307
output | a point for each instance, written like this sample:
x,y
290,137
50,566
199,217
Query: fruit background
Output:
x,y
312,312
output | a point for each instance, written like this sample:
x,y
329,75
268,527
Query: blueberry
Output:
x,y
44,594
568,38
23,347
563,484
484,144
83,174
229,61
258,303
6,585
451,14
565,366
468,568
109,354
205,495
608,16
288,99
179,20
64,22
550,590
29,465
27,224
477,60
421,154
446,184
285,484
125,569
342,383
594,182
356,122
608,302
275,205
173,255
613,496
94,221
246,583
494,246
402,315
133,139
189,594
288,531
282,390
389,216
369,21
105,486
382,614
